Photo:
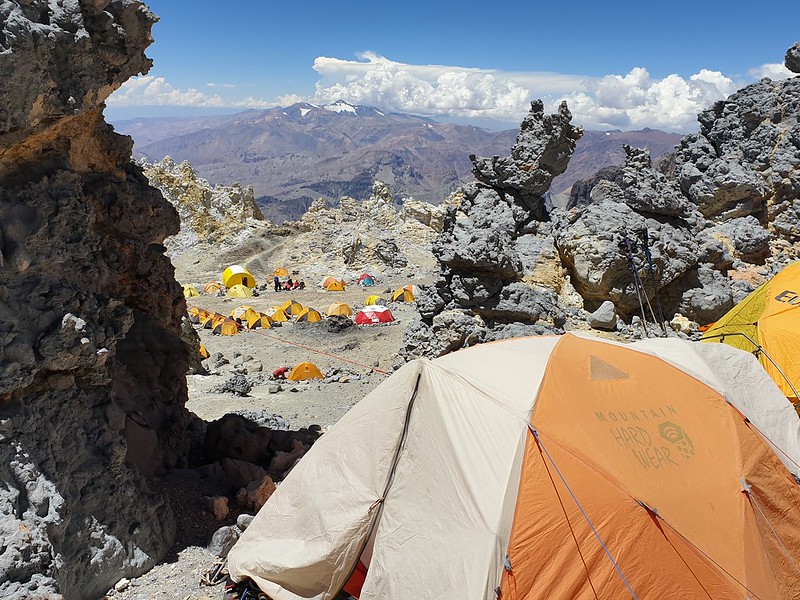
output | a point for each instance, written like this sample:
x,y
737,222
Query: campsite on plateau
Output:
x,y
524,328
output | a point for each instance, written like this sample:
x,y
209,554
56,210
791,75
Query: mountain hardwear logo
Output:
x,y
674,433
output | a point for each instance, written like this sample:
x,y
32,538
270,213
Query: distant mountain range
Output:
x,y
293,155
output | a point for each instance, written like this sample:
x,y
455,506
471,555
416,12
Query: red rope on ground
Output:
x,y
320,352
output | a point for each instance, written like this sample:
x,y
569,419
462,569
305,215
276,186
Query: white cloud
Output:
x,y
636,100
625,101
421,89
157,91
633,100
222,85
775,71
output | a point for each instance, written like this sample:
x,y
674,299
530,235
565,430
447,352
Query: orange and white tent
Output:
x,y
546,467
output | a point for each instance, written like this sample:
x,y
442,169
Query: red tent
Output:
x,y
366,280
371,315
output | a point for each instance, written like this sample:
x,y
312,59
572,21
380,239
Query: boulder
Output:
x,y
605,317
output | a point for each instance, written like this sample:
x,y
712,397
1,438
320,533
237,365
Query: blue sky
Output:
x,y
624,65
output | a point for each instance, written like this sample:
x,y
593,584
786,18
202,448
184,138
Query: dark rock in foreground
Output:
x,y
92,386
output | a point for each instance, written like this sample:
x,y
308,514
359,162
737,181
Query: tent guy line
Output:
x,y
352,362
541,446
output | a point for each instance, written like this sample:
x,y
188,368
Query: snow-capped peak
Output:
x,y
340,106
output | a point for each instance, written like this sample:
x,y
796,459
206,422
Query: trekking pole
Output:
x,y
651,270
626,246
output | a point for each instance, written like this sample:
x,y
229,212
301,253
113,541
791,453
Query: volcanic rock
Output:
x,y
91,360
792,60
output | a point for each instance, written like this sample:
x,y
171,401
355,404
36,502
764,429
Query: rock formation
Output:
x,y
211,215
792,59
680,241
372,234
92,385
494,268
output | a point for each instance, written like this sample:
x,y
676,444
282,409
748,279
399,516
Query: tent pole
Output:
x,y
758,348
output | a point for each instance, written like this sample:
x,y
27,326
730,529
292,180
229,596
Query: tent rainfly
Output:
x,y
373,315
339,309
291,307
309,315
767,323
239,291
589,469
305,370
402,295
189,291
238,275
212,287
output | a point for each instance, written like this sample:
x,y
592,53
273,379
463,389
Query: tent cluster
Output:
x,y
216,322
590,469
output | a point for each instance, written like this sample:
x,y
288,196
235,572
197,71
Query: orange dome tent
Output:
x,y
226,326
589,469
280,272
305,370
767,323
212,287
258,320
277,314
239,312
208,320
335,286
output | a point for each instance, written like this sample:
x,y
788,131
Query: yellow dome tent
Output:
x,y
309,315
239,312
189,291
198,317
277,314
374,301
239,291
238,275
259,320
291,307
767,323
403,295
226,326
209,320
305,370
340,309
335,286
